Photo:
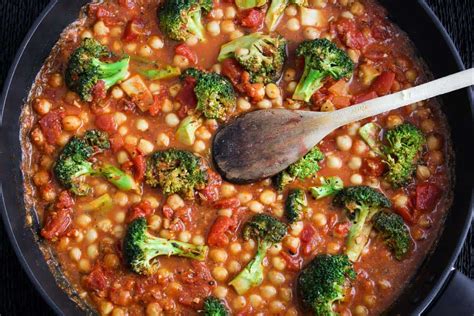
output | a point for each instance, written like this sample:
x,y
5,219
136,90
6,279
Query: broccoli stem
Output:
x,y
274,12
252,274
358,234
310,82
111,73
102,203
118,178
195,25
157,246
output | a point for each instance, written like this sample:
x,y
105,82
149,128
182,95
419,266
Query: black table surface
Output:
x,y
17,294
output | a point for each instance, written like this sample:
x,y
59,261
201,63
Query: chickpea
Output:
x,y
311,33
75,254
48,194
411,75
319,219
427,125
291,10
268,197
276,278
220,292
213,28
436,157
344,142
268,291
235,248
37,137
100,29
111,261
334,162
255,206
433,142
289,75
172,120
227,26
423,172
154,309
356,179
42,106
272,91
220,273
163,140
239,302
145,146
155,42
55,80
180,61
255,300
393,121
357,8
243,104
71,123
230,12
41,178
277,307
218,255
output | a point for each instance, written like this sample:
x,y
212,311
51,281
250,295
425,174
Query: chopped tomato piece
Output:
x,y
97,280
427,196
142,209
98,91
341,101
309,239
404,212
293,263
233,71
307,233
232,202
116,142
134,29
374,167
139,167
211,192
186,95
51,126
186,51
383,83
217,235
106,122
342,229
252,18
350,35
339,88
364,97
155,108
57,224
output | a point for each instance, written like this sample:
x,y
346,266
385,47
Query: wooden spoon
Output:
x,y
259,144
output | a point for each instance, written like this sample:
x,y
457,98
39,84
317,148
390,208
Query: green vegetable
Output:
x,y
167,72
404,145
72,165
185,133
142,249
102,203
302,169
276,9
266,231
85,68
215,94
262,56
323,59
394,232
323,282
176,171
214,307
370,133
295,205
329,186
181,19
361,203
249,4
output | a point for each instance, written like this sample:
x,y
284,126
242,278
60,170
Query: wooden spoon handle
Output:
x,y
394,101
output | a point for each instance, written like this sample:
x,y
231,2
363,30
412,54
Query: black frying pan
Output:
x,y
437,288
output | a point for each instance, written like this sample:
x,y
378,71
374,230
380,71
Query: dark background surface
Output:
x,y
17,294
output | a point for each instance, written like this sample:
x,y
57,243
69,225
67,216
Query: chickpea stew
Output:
x,y
120,121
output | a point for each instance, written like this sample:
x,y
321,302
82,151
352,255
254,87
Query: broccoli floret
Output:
x,y
266,231
181,19
370,133
361,204
262,56
176,171
215,94
214,307
329,186
322,59
302,169
141,249
72,164
404,144
394,232
276,9
323,282
85,69
295,205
